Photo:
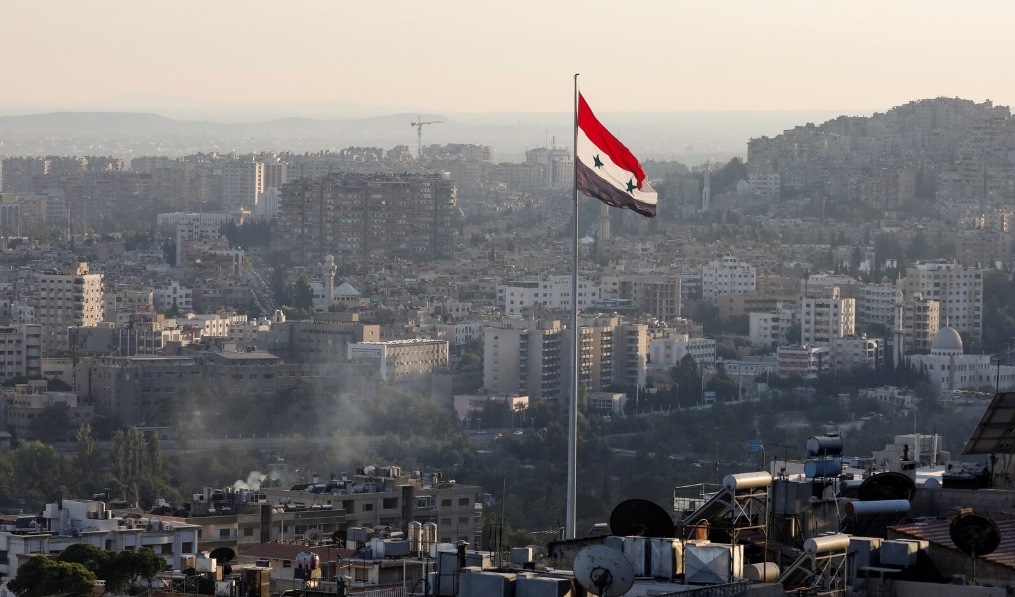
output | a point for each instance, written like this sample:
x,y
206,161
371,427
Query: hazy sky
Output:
x,y
448,56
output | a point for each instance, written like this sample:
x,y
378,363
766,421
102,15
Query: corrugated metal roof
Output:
x,y
937,532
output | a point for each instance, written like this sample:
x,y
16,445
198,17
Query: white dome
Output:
x,y
946,341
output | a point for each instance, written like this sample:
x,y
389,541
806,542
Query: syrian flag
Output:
x,y
607,170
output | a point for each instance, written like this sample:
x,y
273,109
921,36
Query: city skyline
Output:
x,y
462,57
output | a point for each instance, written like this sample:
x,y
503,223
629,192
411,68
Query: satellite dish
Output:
x,y
223,554
313,535
974,534
336,536
640,518
603,571
886,486
227,569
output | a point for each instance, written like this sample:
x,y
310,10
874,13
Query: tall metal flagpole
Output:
x,y
572,415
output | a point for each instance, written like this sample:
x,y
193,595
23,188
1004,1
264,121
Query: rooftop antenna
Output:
x,y
975,535
603,571
419,134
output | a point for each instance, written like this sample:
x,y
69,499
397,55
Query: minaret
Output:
x,y
899,332
603,232
329,269
706,193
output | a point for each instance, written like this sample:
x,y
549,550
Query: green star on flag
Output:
x,y
631,186
598,163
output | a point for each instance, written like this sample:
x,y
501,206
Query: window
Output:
x,y
368,507
287,563
446,503
248,532
463,501
389,503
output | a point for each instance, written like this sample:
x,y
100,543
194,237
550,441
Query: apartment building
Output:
x,y
401,358
958,290
828,317
655,295
70,522
803,360
728,275
24,402
21,350
524,357
72,297
850,352
551,292
771,328
921,319
667,352
355,216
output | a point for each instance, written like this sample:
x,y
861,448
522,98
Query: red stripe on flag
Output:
x,y
604,140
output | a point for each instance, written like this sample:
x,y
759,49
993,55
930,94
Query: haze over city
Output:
x,y
256,58
323,298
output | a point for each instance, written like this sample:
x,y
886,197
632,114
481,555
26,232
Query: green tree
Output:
x,y
130,461
38,472
86,461
303,295
41,576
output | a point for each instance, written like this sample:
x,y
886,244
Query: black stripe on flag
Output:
x,y
593,185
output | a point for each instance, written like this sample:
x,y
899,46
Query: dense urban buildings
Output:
x,y
375,216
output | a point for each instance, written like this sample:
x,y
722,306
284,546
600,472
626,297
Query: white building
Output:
x,y
69,298
173,294
850,352
400,358
803,360
552,292
727,276
958,289
84,521
771,329
21,350
666,353
878,305
950,369
460,334
825,318
242,183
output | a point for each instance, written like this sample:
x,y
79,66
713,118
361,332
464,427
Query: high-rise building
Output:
x,y
958,290
355,216
22,354
242,183
727,276
69,298
921,319
524,357
825,318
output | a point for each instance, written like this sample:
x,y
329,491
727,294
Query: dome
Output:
x,y
329,259
947,340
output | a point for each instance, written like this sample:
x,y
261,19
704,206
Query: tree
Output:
x,y
38,472
303,295
130,461
86,461
41,576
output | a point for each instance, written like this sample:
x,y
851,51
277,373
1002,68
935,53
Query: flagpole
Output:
x,y
572,415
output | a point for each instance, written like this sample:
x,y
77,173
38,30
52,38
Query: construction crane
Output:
x,y
419,134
